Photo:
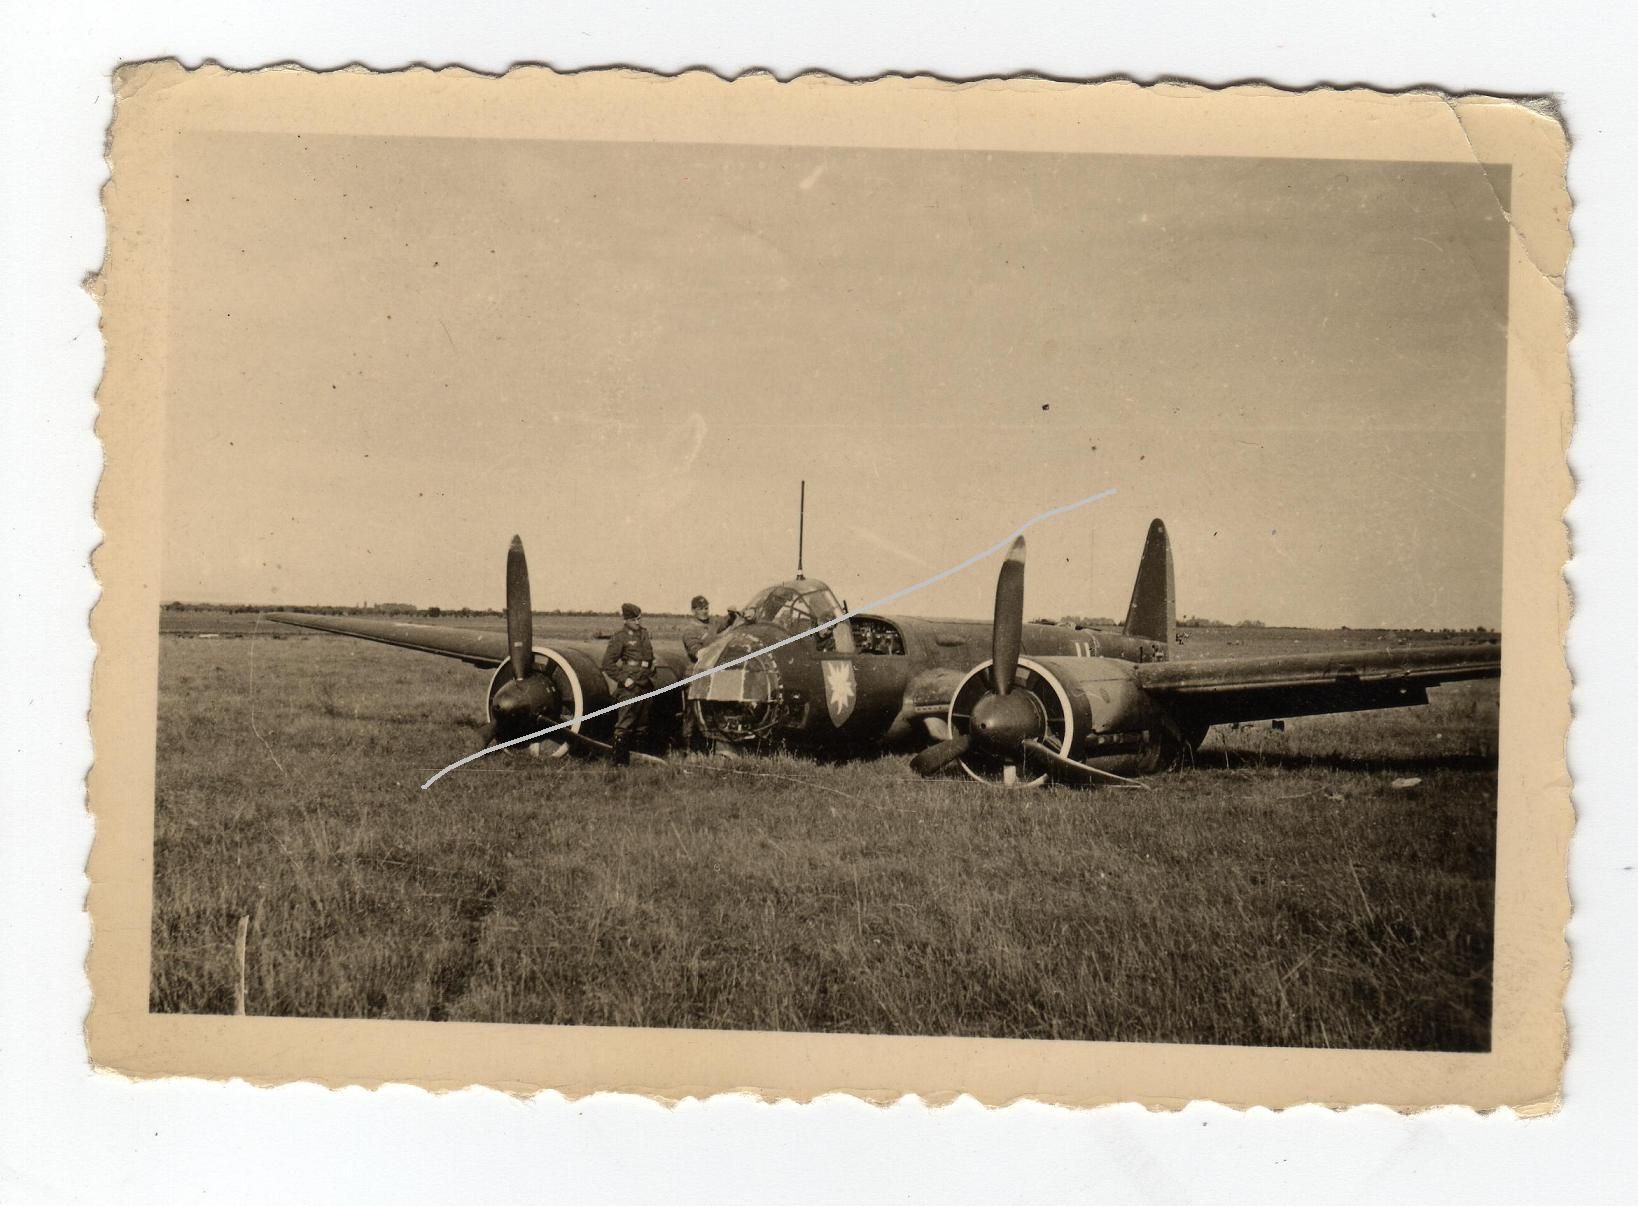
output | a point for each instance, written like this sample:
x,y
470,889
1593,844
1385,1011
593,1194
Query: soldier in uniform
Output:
x,y
628,664
697,633
699,630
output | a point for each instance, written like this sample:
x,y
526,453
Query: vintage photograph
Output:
x,y
830,587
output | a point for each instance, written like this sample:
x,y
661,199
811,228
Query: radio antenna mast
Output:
x,y
801,519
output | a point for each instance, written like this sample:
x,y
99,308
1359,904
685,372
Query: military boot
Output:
x,y
622,750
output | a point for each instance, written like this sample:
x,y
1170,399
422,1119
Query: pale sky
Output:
x,y
389,355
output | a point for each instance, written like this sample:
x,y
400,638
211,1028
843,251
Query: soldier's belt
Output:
x,y
639,665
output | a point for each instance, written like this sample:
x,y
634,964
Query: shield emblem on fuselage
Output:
x,y
841,689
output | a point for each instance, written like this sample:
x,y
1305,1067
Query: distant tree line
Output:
x,y
333,609
1183,622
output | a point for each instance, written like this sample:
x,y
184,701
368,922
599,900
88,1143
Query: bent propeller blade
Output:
x,y
936,757
602,747
520,621
1090,774
1007,638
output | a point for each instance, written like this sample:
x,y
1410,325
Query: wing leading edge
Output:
x,y
1220,691
472,645
475,646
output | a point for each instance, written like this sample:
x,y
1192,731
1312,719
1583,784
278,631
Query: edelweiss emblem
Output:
x,y
840,691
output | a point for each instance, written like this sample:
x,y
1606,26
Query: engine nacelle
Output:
x,y
1125,732
579,688
1088,709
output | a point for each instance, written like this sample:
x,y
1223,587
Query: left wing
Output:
x,y
1223,690
472,645
476,646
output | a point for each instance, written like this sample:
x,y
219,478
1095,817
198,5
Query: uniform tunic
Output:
x,y
696,635
630,655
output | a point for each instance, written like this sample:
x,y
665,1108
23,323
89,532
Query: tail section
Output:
x,y
1152,614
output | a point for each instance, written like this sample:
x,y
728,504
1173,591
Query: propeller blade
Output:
x,y
936,757
1007,636
520,620
1080,769
582,742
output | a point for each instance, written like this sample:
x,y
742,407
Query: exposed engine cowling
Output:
x,y
1089,710
562,685
745,703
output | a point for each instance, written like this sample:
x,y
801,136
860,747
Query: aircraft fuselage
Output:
x,y
870,680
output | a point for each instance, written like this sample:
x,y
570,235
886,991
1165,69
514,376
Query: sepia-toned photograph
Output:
x,y
628,582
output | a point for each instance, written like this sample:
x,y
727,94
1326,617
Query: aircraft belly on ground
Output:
x,y
1047,702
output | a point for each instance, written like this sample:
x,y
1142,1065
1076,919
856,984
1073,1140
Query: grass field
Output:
x,y
1282,892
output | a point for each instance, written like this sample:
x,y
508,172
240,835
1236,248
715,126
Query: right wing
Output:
x,y
1221,690
474,646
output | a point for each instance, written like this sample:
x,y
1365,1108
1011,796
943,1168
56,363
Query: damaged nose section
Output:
x,y
741,703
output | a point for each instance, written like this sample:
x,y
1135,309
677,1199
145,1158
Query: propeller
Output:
x,y
529,695
1005,724
1000,719
1003,721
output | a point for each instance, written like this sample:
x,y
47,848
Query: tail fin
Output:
x,y
1152,614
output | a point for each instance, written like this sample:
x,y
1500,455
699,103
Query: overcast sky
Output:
x,y
389,355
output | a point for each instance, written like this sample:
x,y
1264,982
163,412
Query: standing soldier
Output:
x,y
697,633
628,664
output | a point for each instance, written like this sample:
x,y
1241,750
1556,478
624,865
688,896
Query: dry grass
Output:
x,y
1283,893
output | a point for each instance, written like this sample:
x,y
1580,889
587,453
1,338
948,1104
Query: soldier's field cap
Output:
x,y
699,601
630,611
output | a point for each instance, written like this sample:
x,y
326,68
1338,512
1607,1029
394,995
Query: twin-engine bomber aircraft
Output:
x,y
1049,702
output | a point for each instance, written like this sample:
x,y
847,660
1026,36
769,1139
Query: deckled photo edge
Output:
x,y
123,1038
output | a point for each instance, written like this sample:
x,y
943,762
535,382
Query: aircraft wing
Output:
x,y
476,646
1223,690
